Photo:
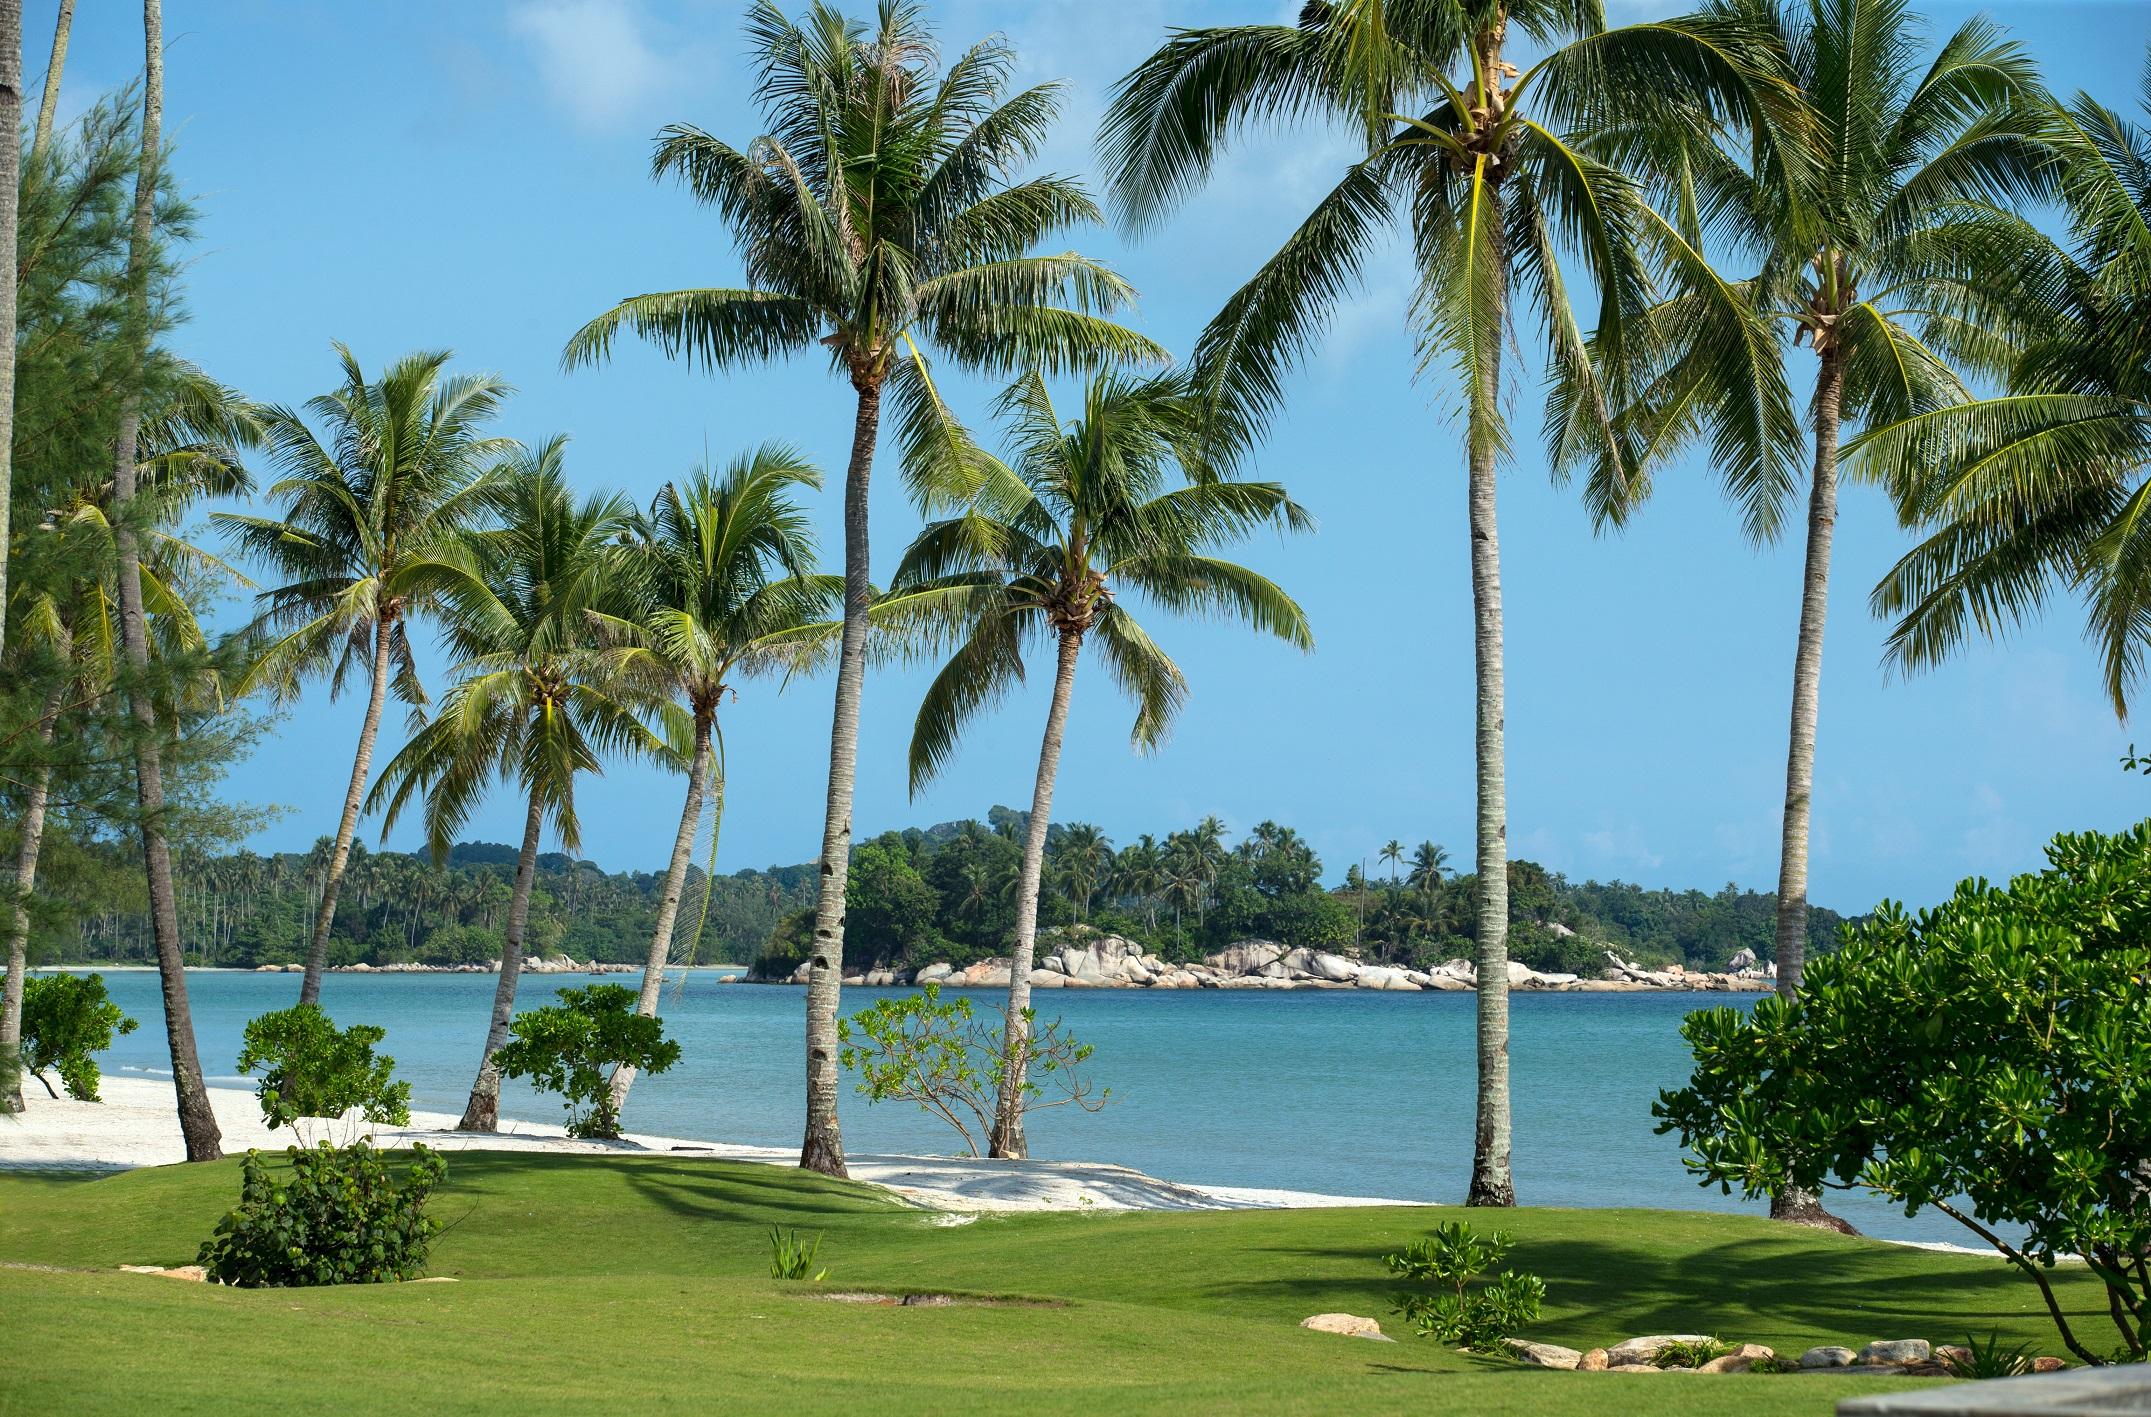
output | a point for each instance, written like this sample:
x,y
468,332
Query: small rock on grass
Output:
x,y
1350,1325
2048,1365
1896,1350
1543,1355
1828,1355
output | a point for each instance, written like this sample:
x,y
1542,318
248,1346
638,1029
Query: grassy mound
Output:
x,y
637,1282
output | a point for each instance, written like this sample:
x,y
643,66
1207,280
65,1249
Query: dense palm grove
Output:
x,y
1658,222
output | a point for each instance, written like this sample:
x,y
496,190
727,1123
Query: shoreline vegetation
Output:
x,y
920,896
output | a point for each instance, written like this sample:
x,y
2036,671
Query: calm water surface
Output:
x,y
1348,1092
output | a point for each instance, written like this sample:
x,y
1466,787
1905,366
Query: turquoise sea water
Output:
x,y
1345,1092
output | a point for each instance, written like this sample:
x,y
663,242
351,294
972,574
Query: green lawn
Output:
x,y
643,1282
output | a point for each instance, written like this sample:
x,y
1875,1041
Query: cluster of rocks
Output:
x,y
1884,1358
1093,960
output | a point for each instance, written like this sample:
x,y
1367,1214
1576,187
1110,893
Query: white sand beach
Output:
x,y
136,1126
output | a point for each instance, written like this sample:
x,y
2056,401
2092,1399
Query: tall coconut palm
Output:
x,y
368,504
875,218
1872,253
66,631
1869,254
1429,861
720,588
1043,547
1499,178
534,701
1392,852
197,1122
2042,489
10,201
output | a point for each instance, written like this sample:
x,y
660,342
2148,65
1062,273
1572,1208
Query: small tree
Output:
x,y
66,1019
1460,1305
572,1047
942,1056
1986,1059
312,1068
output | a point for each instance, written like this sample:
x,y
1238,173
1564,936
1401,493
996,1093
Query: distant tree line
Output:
x,y
241,909
946,892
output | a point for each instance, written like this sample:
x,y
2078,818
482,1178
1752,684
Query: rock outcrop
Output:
x,y
1085,958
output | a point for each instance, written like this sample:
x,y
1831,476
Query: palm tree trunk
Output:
x,y
10,208
1008,1138
668,906
18,923
482,1112
317,953
823,1149
197,1123
1491,1180
1800,1206
54,67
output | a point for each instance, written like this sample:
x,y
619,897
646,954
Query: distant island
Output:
x,y
939,895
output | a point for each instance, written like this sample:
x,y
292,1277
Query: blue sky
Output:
x,y
473,176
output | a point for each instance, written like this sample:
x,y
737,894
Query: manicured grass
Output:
x,y
643,1282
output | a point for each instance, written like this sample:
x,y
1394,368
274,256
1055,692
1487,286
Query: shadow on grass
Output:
x,y
1783,1285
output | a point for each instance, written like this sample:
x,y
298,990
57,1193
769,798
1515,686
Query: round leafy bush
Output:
x,y
572,1048
312,1068
339,1218
1986,1059
66,1020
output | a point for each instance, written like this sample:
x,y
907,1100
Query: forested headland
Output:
x,y
945,892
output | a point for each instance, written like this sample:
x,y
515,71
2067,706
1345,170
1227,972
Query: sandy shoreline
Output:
x,y
136,1126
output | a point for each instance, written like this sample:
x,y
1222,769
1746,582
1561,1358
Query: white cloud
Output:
x,y
594,56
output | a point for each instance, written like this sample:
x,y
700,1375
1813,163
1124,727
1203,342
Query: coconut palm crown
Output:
x,y
1500,178
2044,488
1049,544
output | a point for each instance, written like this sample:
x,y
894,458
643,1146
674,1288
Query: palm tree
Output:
x,y
1876,254
1043,546
65,636
49,102
720,588
1139,873
1501,178
876,216
367,508
1428,863
533,701
1873,253
10,201
2042,488
1393,852
197,1122
1085,854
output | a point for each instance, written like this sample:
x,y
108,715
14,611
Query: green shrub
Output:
x,y
941,1055
791,1257
1989,1359
572,1048
1461,1305
66,1020
312,1068
1690,1353
1984,1059
339,1219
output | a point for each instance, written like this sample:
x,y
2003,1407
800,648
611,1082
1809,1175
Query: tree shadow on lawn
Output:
x,y
1759,1285
745,1192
